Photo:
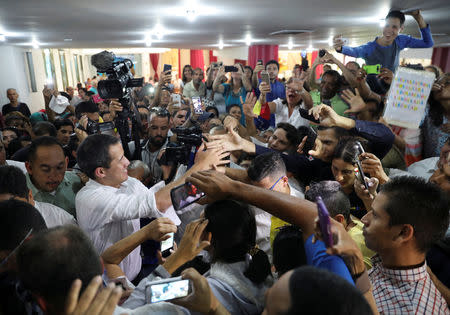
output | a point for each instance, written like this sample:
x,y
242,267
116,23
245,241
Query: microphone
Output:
x,y
103,61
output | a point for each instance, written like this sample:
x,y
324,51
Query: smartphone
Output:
x,y
167,68
184,195
372,69
322,53
197,103
167,245
361,175
325,223
305,114
176,99
260,61
231,69
220,64
169,289
265,77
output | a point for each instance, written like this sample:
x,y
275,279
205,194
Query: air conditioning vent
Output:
x,y
290,32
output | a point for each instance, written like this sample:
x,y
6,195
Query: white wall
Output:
x,y
227,55
13,74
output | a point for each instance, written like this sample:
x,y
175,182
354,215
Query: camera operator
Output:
x,y
158,128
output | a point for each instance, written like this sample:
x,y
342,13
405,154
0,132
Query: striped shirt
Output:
x,y
409,291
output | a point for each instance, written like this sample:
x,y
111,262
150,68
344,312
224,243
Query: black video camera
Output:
x,y
94,127
178,153
119,75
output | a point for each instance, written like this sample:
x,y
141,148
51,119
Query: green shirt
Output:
x,y
338,105
356,234
63,196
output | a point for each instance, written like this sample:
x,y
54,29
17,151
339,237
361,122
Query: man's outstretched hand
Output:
x,y
215,185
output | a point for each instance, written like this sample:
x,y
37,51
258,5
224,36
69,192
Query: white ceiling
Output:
x,y
119,23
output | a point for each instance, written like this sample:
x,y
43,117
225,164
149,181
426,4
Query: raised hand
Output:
x,y
386,75
327,116
248,105
371,165
159,228
355,101
338,42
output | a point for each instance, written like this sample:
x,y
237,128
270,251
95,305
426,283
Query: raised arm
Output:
x,y
217,86
427,39
312,74
164,79
350,77
256,71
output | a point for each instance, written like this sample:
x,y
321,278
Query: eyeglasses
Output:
x,y
4,261
271,188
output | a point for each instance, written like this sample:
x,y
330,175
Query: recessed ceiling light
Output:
x,y
191,14
159,31
382,23
290,44
220,44
67,39
35,44
248,40
2,37
148,40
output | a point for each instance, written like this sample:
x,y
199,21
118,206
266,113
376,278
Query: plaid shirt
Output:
x,y
408,291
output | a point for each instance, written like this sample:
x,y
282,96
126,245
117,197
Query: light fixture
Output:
x,y
148,40
220,44
67,39
330,41
159,31
290,44
35,44
382,23
248,40
2,37
191,14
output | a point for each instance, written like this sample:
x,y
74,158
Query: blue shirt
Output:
x,y
234,99
316,256
388,56
277,90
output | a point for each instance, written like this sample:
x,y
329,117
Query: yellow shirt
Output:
x,y
356,233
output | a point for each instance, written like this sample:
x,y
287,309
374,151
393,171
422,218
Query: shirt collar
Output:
x,y
405,275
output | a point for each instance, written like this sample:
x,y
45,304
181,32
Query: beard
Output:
x,y
157,141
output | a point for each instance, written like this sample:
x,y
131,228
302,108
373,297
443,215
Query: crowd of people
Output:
x,y
84,206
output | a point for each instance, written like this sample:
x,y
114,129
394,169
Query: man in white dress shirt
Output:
x,y
111,203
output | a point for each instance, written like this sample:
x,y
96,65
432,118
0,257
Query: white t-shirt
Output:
x,y
282,114
53,215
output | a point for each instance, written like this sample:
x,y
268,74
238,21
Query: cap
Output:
x,y
58,104
205,116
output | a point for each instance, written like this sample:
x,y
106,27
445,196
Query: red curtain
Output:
x,y
212,58
197,60
154,58
264,52
319,68
241,61
441,58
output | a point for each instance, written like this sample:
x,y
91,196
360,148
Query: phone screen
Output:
x,y
305,114
168,243
197,102
184,195
167,68
176,98
325,224
173,289
265,77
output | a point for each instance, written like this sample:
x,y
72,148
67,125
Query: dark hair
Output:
x,y
339,132
333,197
411,200
93,152
274,62
233,229
13,181
249,68
436,111
183,77
85,107
59,255
13,129
291,134
355,63
288,249
229,107
41,142
79,86
396,14
17,218
214,108
269,164
337,77
348,150
59,123
322,292
44,127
